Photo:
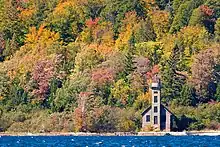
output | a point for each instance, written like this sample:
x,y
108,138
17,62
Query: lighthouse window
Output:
x,y
155,120
155,99
155,109
155,92
147,118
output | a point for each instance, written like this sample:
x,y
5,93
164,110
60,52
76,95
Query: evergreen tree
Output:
x,y
217,95
187,96
182,17
10,23
115,10
171,81
217,30
163,3
11,47
129,57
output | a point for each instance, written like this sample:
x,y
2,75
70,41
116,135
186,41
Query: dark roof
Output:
x,y
167,109
146,110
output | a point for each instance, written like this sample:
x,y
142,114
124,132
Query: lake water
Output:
x,y
112,141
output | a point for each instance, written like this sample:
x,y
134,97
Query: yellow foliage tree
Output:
x,y
39,44
191,40
160,21
130,24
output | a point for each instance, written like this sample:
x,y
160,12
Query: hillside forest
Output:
x,y
86,65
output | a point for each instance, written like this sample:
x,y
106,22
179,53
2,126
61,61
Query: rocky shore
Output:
x,y
198,133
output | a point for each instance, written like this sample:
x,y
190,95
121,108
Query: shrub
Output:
x,y
19,117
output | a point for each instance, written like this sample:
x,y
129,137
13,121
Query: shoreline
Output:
x,y
189,133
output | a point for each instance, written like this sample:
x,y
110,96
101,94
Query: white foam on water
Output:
x,y
72,139
99,142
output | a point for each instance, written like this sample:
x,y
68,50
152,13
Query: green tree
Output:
x,y
182,17
4,85
172,80
217,95
67,96
67,20
10,22
162,3
196,17
145,32
16,96
115,10
87,59
217,30
11,47
187,96
120,93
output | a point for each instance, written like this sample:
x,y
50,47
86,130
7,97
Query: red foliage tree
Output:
x,y
154,71
103,76
142,65
43,72
202,73
206,10
92,22
78,119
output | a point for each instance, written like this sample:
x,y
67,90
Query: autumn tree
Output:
x,y
66,20
42,74
160,20
144,31
151,50
39,44
120,93
87,59
66,97
203,16
126,37
142,66
202,72
99,33
10,23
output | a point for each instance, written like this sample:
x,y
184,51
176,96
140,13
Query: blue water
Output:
x,y
113,141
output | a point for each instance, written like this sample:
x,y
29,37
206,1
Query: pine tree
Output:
x,y
217,30
182,17
129,61
217,95
171,81
11,47
187,96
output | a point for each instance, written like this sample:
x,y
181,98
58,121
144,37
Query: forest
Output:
x,y
86,65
